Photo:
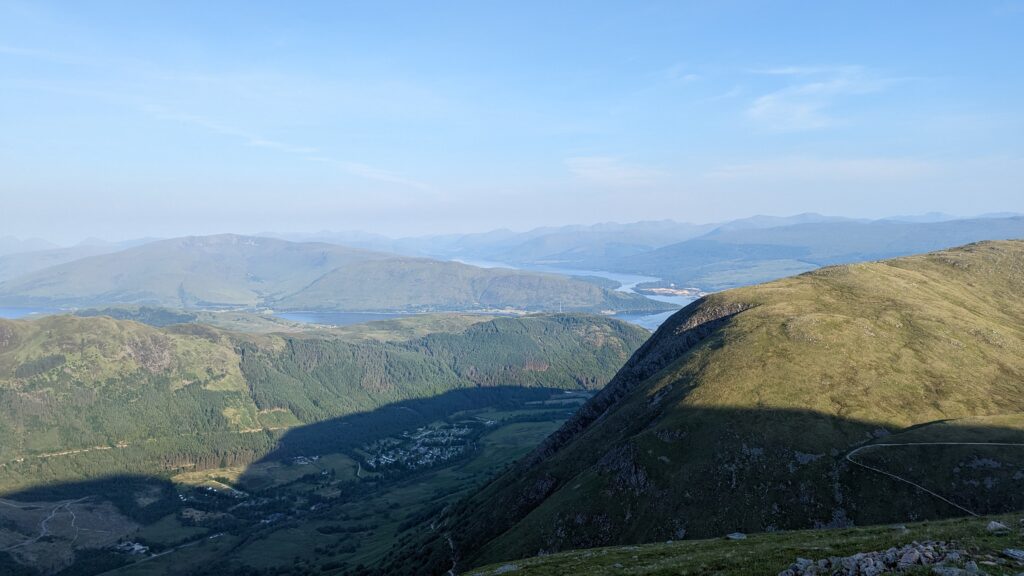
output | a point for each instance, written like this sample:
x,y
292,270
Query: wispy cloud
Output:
x,y
612,172
681,73
42,55
797,70
808,104
140,69
26,52
734,92
804,169
371,172
248,138
309,153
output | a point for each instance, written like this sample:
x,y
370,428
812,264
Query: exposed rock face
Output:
x,y
627,473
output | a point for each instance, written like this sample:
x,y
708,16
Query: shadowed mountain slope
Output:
x,y
738,414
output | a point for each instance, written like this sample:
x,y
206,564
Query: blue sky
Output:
x,y
138,118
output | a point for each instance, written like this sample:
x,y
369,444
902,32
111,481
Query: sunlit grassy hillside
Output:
x,y
739,412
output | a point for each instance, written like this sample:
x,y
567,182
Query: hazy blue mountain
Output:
x,y
12,245
21,264
350,238
579,246
732,257
576,246
761,221
244,271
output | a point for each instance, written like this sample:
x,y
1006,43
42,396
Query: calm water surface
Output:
x,y
15,313
628,283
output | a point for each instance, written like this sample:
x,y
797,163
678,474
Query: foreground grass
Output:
x,y
770,553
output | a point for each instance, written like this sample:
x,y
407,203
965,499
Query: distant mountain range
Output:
x,y
24,263
242,271
552,245
12,245
25,257
774,407
366,272
729,257
710,256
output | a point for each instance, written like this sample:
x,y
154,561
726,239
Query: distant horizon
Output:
x,y
127,120
312,235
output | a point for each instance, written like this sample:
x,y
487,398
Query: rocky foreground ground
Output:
x,y
944,559
992,546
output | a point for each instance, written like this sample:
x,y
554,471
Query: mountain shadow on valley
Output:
x,y
687,482
690,480
347,433
741,412
75,528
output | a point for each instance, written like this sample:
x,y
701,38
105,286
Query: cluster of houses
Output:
x,y
132,548
427,446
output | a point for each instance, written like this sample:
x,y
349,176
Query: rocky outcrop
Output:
x,y
914,555
627,475
152,352
7,337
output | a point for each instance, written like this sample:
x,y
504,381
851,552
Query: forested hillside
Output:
x,y
85,397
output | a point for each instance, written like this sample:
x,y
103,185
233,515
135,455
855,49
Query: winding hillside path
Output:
x,y
123,445
849,458
44,529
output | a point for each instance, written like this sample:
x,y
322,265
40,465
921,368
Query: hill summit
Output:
x,y
854,394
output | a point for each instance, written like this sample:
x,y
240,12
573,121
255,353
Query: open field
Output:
x,y
268,475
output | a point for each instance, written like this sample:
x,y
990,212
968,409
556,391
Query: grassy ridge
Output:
x,y
738,413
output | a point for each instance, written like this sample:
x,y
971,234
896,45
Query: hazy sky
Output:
x,y
139,118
